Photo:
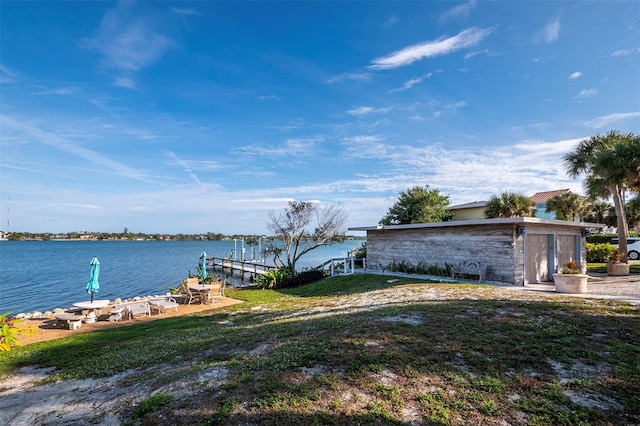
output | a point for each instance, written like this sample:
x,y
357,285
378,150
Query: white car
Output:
x,y
633,247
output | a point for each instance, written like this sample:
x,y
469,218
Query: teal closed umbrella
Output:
x,y
93,285
203,265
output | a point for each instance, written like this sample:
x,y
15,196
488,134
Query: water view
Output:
x,y
43,275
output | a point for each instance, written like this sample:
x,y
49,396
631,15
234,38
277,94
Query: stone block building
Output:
x,y
516,251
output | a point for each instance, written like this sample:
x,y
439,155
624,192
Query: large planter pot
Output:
x,y
570,283
618,269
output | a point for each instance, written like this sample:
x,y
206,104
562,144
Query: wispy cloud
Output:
x,y
549,33
626,52
409,84
6,75
185,12
365,146
391,21
448,109
586,93
575,75
174,160
31,131
606,120
429,49
460,12
485,52
295,147
361,77
268,98
60,91
130,41
365,110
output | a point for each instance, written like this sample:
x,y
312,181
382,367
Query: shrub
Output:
x,y
9,332
571,267
600,253
421,268
303,278
271,279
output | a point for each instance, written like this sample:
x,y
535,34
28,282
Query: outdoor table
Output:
x,y
96,305
201,289
73,321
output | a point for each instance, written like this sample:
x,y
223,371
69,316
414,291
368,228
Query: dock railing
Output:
x,y
338,265
344,265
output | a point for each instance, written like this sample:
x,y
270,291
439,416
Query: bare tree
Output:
x,y
304,226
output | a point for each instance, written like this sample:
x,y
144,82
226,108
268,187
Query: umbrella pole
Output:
x,y
91,297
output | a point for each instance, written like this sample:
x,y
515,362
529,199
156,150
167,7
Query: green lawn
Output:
x,y
362,350
634,268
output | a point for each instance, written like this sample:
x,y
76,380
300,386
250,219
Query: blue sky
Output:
x,y
189,117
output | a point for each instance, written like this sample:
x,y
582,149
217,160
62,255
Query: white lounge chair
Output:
x,y
138,309
162,305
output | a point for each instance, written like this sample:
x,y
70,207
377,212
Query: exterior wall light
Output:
x,y
521,230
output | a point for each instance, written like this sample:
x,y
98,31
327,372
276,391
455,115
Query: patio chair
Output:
x,y
185,295
224,285
138,309
215,293
163,305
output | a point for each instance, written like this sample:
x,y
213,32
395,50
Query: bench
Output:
x,y
472,267
73,321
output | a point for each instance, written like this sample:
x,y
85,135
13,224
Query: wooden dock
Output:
x,y
240,266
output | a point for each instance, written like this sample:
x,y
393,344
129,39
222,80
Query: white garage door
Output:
x,y
536,258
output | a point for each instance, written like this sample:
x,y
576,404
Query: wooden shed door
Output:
x,y
536,258
566,249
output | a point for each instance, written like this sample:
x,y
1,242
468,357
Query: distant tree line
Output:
x,y
210,236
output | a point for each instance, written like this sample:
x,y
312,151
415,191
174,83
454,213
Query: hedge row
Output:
x,y
600,253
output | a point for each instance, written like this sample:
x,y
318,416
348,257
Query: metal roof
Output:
x,y
471,205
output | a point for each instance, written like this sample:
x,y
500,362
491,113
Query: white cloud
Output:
x,y
362,77
295,147
462,11
365,146
429,49
586,93
606,120
575,75
549,33
61,141
391,21
129,42
364,110
185,12
60,91
626,52
470,55
409,84
6,75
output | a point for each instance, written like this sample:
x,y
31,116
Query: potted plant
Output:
x,y
615,266
571,279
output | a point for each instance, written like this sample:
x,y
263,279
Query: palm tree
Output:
x,y
610,165
601,212
508,204
568,205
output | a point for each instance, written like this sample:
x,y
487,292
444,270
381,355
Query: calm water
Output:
x,y
43,275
